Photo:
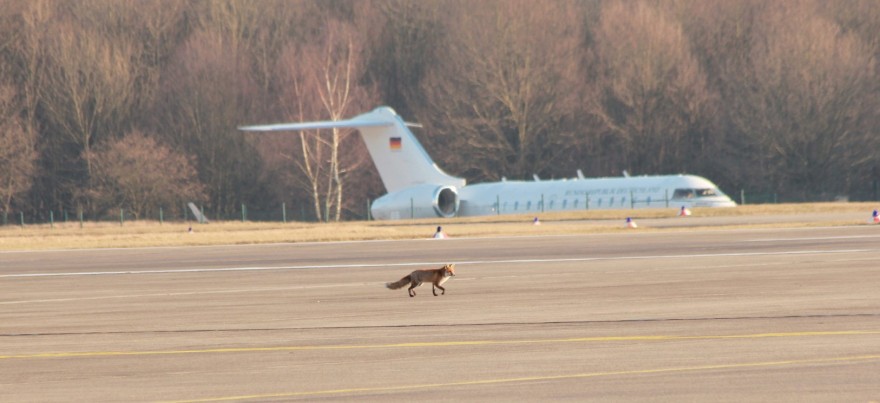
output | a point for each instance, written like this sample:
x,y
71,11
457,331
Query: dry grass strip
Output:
x,y
151,233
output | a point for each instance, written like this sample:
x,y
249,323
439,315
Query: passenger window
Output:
x,y
706,192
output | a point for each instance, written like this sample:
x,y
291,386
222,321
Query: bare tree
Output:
x,y
503,94
329,70
860,17
141,175
87,92
28,25
155,29
767,95
17,150
403,37
654,96
206,94
19,74
808,102
721,34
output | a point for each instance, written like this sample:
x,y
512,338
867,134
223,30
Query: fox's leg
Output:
x,y
443,290
412,293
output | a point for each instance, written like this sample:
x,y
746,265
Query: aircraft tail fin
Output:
x,y
397,154
197,213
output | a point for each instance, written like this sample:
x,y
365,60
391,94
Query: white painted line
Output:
x,y
826,238
408,264
188,293
229,291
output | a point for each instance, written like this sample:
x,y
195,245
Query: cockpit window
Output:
x,y
692,193
683,194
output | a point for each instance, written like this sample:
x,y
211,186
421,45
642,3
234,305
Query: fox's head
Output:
x,y
449,270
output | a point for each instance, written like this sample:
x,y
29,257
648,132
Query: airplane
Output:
x,y
417,188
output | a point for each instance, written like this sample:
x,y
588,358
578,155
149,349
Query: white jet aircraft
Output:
x,y
418,188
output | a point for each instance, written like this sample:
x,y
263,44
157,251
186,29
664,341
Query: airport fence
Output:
x,y
303,213
755,197
283,213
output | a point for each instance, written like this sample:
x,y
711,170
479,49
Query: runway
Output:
x,y
667,316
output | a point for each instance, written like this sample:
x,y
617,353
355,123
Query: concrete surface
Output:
x,y
683,315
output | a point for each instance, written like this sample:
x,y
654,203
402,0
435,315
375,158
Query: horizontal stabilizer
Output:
x,y
327,124
397,154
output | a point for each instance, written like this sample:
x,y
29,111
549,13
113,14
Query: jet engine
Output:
x,y
420,201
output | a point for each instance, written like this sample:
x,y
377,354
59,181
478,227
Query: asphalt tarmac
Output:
x,y
668,316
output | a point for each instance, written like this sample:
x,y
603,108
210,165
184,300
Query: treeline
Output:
x,y
134,104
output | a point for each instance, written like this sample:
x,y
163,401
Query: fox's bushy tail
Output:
x,y
398,284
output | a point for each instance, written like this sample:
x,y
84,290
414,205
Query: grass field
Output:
x,y
150,233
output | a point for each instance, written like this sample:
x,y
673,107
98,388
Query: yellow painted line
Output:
x,y
541,378
436,344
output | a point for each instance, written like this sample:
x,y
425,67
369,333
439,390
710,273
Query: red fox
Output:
x,y
437,277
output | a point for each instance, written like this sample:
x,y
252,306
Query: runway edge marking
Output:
x,y
407,264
